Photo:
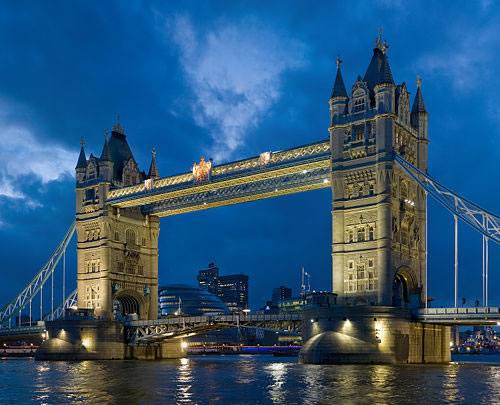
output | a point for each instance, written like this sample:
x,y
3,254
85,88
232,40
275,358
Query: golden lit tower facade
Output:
x,y
378,212
117,249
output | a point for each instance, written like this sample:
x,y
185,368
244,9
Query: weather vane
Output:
x,y
419,80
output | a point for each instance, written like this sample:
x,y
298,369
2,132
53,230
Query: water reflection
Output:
x,y
184,380
243,379
277,371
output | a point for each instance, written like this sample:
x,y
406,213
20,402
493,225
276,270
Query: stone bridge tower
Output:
x,y
378,212
117,249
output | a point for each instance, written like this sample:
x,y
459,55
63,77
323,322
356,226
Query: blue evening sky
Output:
x,y
229,80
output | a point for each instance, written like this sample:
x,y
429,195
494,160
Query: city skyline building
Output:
x,y
208,279
232,289
181,299
279,294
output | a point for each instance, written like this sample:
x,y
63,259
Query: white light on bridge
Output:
x,y
326,181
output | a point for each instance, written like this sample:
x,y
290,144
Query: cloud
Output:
x,y
234,72
466,58
25,158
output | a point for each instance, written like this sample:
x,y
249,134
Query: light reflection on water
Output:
x,y
246,379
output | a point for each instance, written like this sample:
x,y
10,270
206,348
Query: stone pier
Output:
x,y
86,339
378,335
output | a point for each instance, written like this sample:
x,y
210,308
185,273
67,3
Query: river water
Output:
x,y
244,379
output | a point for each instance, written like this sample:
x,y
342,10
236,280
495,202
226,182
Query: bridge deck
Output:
x,y
459,316
157,330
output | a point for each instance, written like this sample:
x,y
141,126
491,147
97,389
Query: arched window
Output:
x,y
404,190
361,190
351,235
359,104
361,234
360,276
372,189
371,233
130,237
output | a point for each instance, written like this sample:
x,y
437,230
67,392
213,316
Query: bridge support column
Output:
x,y
168,349
380,335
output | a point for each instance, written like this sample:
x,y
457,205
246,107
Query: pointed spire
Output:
x,y
418,103
385,76
82,159
106,154
339,87
117,127
379,71
153,170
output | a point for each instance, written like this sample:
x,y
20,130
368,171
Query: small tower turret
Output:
x,y
106,162
338,100
419,114
81,166
153,169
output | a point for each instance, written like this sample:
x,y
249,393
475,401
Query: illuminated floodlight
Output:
x,y
184,345
326,181
246,311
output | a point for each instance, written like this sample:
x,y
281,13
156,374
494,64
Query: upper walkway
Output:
x,y
269,175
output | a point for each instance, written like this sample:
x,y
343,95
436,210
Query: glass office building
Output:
x,y
182,299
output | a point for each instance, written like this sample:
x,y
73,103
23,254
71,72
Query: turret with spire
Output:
x,y
106,161
418,111
153,170
419,119
338,100
81,166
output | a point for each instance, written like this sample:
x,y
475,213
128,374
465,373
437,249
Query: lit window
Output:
x,y
361,234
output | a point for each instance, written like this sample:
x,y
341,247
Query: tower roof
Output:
x,y
338,87
379,71
106,154
82,159
119,150
153,170
418,103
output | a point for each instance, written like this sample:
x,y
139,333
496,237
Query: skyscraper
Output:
x,y
233,291
208,279
280,294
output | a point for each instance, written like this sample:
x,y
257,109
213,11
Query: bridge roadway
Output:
x,y
475,316
149,331
178,327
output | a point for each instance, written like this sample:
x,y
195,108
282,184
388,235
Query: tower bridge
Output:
x,y
374,162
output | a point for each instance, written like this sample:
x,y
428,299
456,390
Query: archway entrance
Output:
x,y
124,305
400,293
405,289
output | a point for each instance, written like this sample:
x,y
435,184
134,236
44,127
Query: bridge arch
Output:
x,y
405,284
128,302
